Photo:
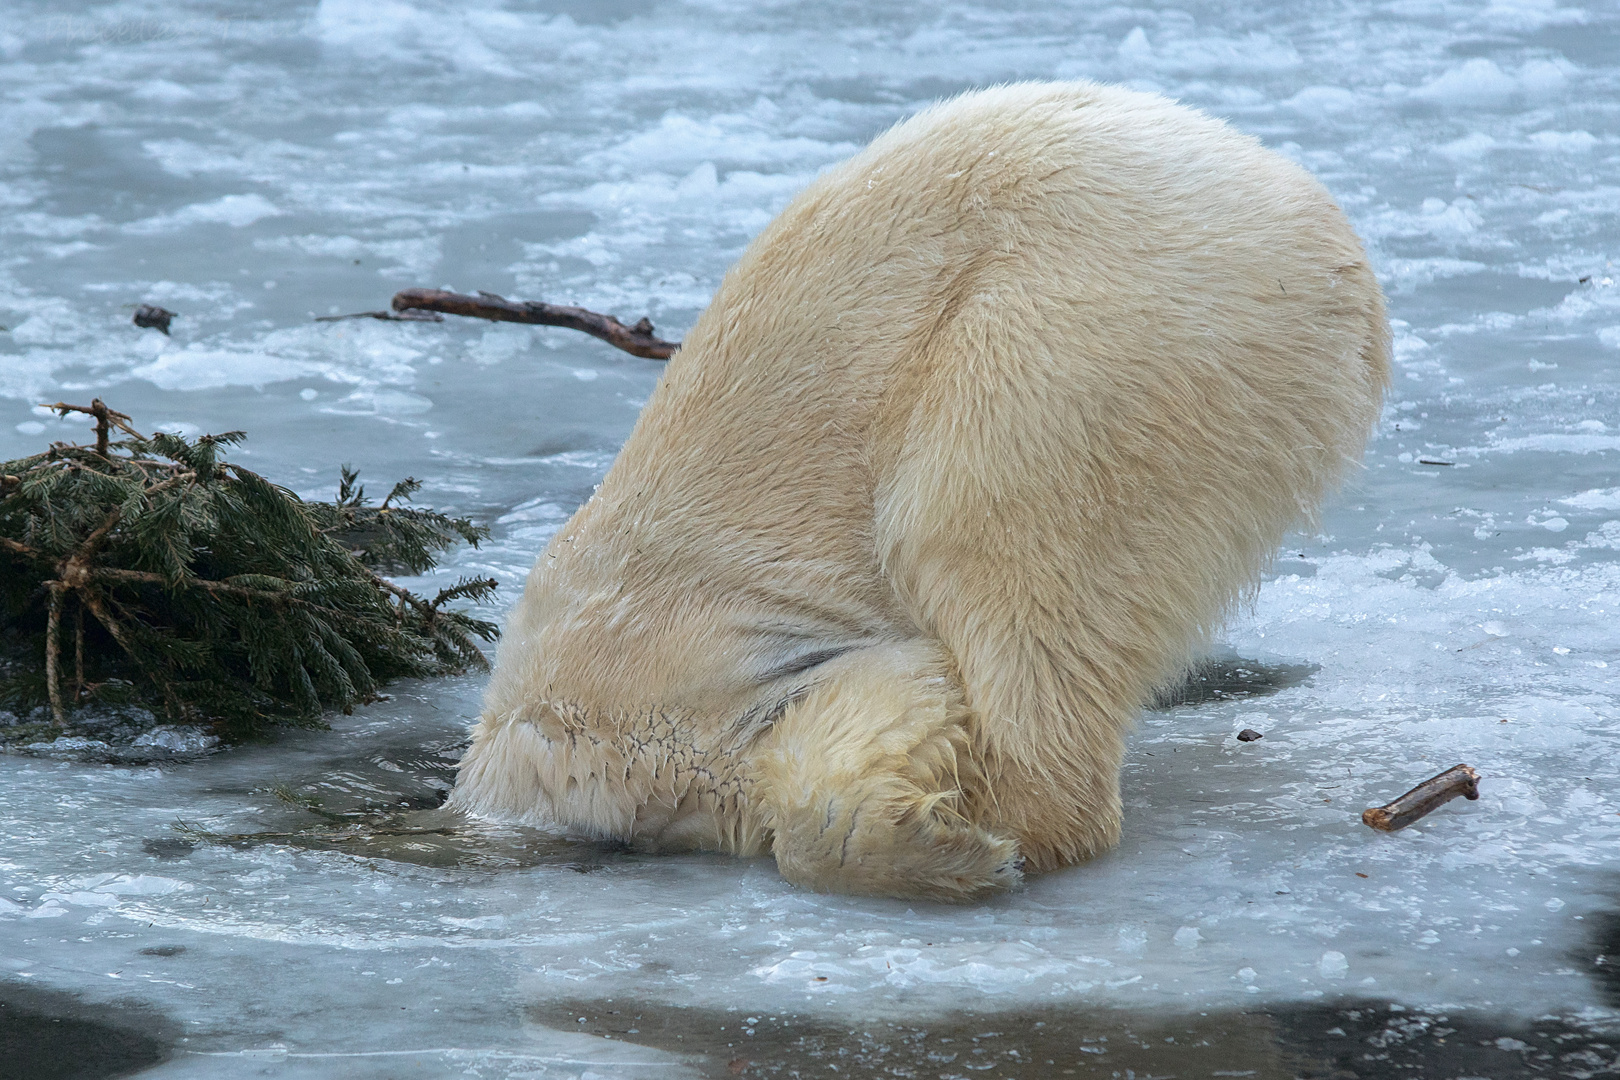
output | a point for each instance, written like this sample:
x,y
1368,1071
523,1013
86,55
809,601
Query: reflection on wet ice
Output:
x,y
390,807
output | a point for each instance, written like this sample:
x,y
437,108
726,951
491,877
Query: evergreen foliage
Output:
x,y
149,571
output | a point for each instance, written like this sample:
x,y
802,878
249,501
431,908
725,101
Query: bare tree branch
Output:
x,y
637,340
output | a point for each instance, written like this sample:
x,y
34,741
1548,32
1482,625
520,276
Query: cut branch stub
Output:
x,y
106,419
637,340
1428,796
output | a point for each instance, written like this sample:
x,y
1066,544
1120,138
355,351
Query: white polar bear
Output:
x,y
975,446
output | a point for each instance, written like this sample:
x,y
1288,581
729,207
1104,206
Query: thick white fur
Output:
x,y
974,447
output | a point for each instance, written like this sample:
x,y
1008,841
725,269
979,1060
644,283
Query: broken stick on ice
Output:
x,y
1430,795
422,304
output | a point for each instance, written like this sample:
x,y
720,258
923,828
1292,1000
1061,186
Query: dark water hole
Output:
x,y
46,1035
1225,675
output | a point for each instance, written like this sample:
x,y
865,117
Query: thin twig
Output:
x,y
93,601
145,577
20,548
148,578
637,340
308,803
78,652
405,595
462,589
409,315
53,647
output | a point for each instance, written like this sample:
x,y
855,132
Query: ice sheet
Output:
x,y
253,168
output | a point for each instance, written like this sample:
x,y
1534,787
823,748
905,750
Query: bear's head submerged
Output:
x,y
973,448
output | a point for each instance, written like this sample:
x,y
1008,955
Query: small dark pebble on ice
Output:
x,y
153,317
1248,734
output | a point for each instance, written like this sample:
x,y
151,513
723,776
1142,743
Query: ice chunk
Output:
x,y
141,885
1474,84
68,744
1333,965
1595,499
177,739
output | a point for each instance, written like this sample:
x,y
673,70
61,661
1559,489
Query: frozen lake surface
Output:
x,y
251,166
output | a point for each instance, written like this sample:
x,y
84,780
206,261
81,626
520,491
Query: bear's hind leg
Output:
x,y
871,786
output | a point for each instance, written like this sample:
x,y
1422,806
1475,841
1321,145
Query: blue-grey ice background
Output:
x,y
253,165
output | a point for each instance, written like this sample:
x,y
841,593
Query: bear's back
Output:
x,y
1139,255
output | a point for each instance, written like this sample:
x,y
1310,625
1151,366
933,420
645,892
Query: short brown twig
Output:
x,y
1428,796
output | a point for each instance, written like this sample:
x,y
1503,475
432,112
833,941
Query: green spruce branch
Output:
x,y
200,590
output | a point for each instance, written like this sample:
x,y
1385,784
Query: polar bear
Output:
x,y
975,446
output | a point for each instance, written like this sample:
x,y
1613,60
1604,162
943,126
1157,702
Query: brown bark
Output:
x,y
75,569
1428,796
637,340
144,577
106,420
53,652
78,653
